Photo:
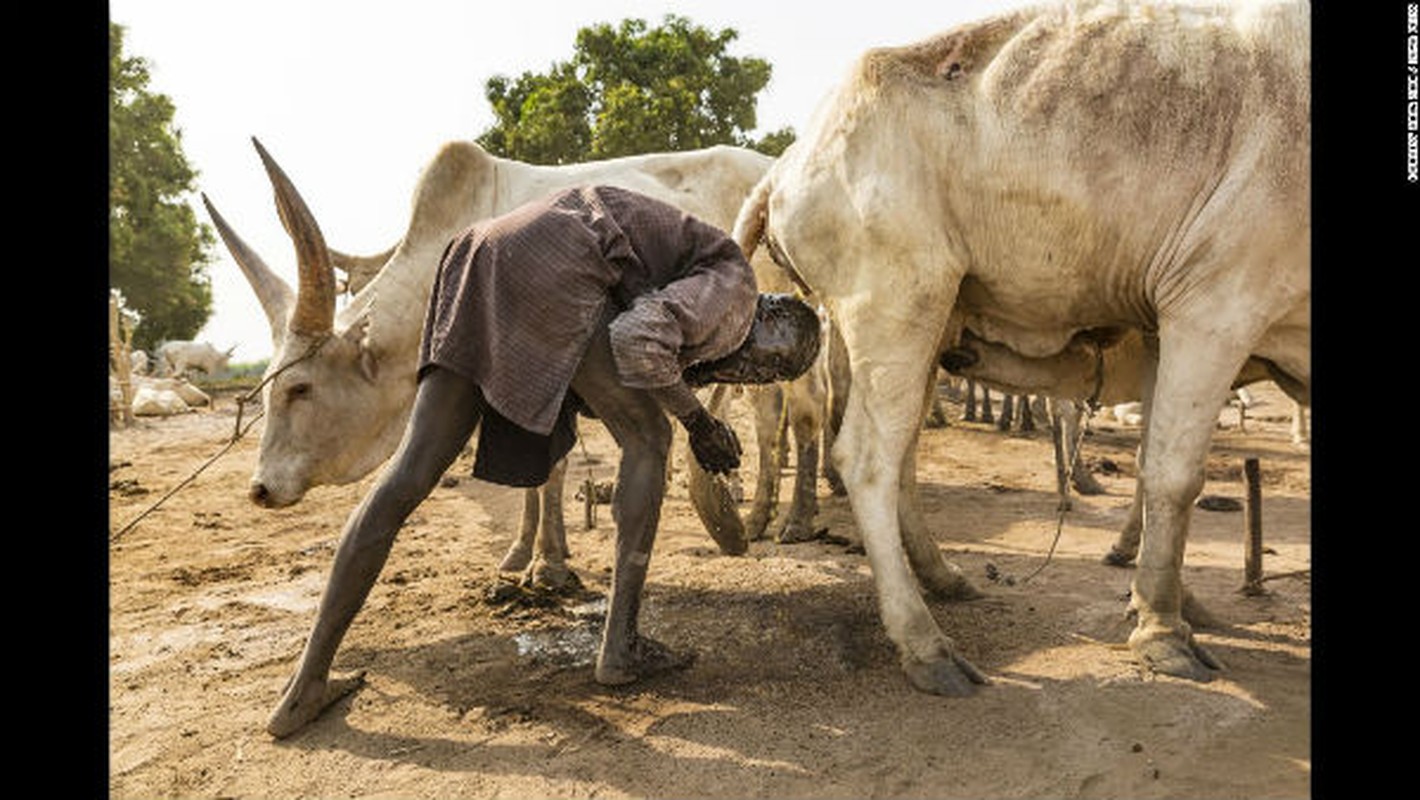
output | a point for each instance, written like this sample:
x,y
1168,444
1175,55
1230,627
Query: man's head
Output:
x,y
782,344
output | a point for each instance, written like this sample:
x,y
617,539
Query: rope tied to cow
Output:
x,y
1091,406
237,434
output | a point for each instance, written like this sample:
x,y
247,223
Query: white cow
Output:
x,y
1054,175
177,357
159,397
342,385
1106,373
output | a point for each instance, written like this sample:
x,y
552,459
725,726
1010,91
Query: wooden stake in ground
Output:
x,y
119,349
1252,543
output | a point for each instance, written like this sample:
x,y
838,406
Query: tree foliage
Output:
x,y
631,89
158,250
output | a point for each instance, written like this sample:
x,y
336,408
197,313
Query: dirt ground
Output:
x,y
795,690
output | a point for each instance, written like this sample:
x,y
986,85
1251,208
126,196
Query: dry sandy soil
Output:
x,y
795,691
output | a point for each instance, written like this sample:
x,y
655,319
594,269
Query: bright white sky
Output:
x,y
353,97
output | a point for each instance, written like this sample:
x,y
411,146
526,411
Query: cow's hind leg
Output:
x,y
549,570
768,403
891,362
938,576
805,399
1126,547
520,552
838,381
1195,371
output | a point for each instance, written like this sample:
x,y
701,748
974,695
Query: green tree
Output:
x,y
629,90
158,250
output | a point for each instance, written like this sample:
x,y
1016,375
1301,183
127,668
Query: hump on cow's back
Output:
x,y
946,58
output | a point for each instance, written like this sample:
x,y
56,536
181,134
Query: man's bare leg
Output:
x,y
446,409
640,427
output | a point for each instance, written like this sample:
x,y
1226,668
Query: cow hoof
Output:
x,y
794,532
957,590
949,584
555,578
1085,483
648,658
299,706
1118,558
757,523
950,675
1181,659
516,559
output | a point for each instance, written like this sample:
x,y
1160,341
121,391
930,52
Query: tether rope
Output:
x,y
1091,405
237,433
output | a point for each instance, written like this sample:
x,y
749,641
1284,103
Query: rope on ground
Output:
x,y
1060,514
189,479
1091,405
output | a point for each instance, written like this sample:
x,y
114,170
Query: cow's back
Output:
x,y
710,184
1085,155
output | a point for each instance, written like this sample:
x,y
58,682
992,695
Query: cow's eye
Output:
x,y
298,391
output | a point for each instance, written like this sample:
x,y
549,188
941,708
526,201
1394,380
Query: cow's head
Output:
x,y
331,415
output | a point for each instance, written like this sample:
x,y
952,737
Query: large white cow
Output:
x,y
1054,175
341,386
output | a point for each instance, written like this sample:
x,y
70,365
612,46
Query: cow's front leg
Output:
x,y
446,409
1194,373
890,364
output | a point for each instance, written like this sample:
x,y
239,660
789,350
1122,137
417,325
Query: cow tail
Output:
x,y
754,214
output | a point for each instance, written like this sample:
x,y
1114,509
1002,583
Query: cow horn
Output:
x,y
274,293
315,295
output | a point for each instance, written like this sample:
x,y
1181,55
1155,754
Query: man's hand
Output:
x,y
714,443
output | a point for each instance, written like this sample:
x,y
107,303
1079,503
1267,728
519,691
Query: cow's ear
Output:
x,y
358,335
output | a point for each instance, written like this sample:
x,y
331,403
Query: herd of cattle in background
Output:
x,y
860,210
160,385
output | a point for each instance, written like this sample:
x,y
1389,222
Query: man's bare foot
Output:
x,y
648,657
301,704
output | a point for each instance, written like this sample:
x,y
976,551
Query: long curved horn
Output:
x,y
315,295
274,293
